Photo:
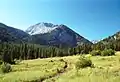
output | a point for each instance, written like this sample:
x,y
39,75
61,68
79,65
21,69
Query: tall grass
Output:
x,y
32,70
106,69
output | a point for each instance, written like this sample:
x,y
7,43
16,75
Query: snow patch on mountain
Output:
x,y
41,28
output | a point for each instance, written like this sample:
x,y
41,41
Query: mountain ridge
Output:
x,y
55,35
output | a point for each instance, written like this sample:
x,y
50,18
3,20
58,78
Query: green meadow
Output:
x,y
106,69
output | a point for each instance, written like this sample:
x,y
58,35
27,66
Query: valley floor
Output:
x,y
62,69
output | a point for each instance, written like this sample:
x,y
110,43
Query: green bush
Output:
x,y
95,52
83,62
5,68
107,52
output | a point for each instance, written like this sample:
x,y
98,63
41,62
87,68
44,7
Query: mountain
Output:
x,y
55,35
95,41
43,34
10,34
111,39
114,37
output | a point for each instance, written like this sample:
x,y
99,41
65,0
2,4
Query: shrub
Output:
x,y
83,62
107,52
0,62
61,60
5,68
95,52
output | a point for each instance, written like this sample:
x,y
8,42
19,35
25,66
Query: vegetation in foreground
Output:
x,y
106,69
83,62
33,70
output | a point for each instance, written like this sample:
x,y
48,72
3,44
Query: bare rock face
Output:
x,y
55,35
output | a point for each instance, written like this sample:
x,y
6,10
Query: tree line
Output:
x,y
114,45
10,51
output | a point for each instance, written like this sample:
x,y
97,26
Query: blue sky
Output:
x,y
93,19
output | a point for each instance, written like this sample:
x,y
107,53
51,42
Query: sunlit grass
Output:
x,y
31,70
106,69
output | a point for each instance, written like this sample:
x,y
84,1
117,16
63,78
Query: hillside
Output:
x,y
112,39
10,34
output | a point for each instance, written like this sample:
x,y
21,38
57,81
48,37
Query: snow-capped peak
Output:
x,y
41,28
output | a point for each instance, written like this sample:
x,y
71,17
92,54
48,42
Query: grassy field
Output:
x,y
32,70
107,69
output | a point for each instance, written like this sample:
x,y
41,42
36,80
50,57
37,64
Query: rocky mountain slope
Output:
x,y
55,35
